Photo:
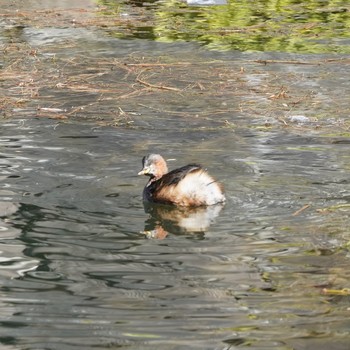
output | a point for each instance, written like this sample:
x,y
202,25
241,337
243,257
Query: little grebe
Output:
x,y
189,185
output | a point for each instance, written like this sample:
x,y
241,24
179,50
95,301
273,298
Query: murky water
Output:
x,y
77,270
83,265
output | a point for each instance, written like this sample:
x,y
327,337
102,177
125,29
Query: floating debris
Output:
x,y
301,119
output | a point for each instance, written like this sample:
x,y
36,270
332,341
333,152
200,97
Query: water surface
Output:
x,y
81,264
79,272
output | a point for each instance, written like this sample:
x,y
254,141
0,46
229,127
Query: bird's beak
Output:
x,y
144,171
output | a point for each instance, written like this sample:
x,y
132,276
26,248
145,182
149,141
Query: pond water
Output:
x,y
83,265
78,270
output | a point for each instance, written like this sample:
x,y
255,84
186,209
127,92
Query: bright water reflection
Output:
x,y
264,25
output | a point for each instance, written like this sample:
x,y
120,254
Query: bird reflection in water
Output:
x,y
165,219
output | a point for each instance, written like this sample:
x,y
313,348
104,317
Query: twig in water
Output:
x,y
286,62
296,213
162,87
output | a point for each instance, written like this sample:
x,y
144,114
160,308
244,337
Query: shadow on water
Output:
x,y
80,108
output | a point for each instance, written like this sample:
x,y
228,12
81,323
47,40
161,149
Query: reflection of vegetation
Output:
x,y
313,26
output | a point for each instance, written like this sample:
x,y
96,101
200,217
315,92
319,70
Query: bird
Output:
x,y
188,186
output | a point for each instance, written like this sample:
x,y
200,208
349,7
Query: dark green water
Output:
x,y
288,26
